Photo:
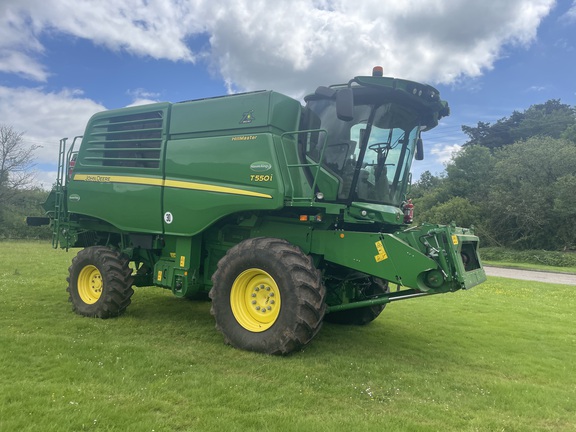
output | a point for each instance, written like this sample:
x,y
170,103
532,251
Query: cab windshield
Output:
x,y
370,155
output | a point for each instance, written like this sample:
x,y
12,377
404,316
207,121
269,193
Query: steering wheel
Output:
x,y
379,147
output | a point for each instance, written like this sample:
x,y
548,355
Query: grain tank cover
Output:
x,y
261,111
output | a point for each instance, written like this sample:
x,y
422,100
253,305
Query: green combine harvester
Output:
x,y
284,215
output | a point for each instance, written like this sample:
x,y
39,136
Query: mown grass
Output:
x,y
499,357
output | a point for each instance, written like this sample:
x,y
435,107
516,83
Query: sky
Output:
x,y
63,60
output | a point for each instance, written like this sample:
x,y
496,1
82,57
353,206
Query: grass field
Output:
x,y
499,357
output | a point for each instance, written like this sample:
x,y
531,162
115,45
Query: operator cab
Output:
x,y
373,127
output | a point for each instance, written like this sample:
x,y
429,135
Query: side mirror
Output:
x,y
345,104
419,150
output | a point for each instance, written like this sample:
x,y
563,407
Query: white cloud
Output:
x,y
290,46
45,179
254,44
297,45
570,15
46,117
18,45
536,88
142,96
444,152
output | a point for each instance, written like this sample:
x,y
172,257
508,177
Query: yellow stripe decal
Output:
x,y
168,183
212,188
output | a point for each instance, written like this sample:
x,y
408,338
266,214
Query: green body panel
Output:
x,y
359,251
120,186
237,183
374,214
128,207
391,257
201,175
235,115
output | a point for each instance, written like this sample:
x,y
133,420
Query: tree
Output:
x,y
531,203
426,183
469,173
13,215
490,136
565,210
16,163
456,209
570,133
551,119
514,180
548,119
427,193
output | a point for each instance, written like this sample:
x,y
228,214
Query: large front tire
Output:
x,y
267,297
99,282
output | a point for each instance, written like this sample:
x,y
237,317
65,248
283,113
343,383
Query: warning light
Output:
x,y
378,71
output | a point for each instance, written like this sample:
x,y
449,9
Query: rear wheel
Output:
x,y
364,315
267,297
100,282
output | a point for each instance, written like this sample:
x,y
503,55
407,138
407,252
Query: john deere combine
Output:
x,y
285,215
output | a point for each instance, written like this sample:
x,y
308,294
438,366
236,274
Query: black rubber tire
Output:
x,y
300,288
116,282
365,315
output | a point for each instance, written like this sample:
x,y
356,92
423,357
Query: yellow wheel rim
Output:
x,y
255,300
90,284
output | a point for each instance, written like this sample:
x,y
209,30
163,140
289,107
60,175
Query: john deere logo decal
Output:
x,y
248,117
260,166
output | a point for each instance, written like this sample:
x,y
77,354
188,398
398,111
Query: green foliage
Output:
x,y
470,172
513,180
489,136
539,257
570,133
455,209
526,200
425,184
564,210
550,119
492,358
13,215
18,198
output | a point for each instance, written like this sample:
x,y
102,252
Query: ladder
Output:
x,y
59,194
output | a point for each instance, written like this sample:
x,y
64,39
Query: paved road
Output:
x,y
559,278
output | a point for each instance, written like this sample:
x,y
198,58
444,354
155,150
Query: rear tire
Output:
x,y
100,282
267,297
364,315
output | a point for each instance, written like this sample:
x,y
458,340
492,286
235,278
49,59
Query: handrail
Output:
x,y
317,165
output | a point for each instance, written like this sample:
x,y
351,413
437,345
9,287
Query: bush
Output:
x,y
550,258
